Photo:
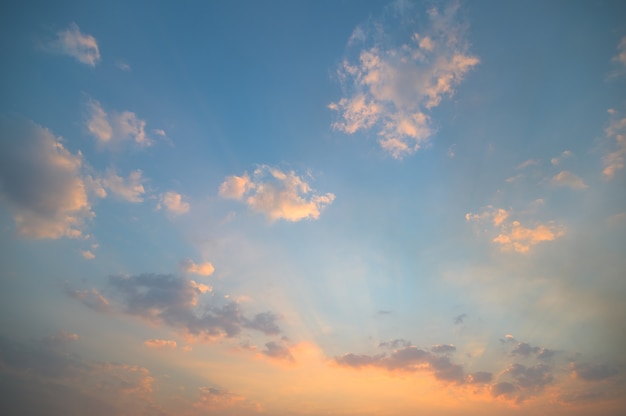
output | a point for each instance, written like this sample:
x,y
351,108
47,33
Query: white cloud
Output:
x,y
276,194
202,269
394,83
80,46
116,127
621,53
614,161
566,178
173,203
129,189
511,234
41,182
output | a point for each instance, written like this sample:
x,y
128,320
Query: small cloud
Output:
x,y
202,269
61,337
88,255
277,351
80,46
159,132
557,160
527,163
503,389
92,299
566,178
459,319
620,58
479,377
160,343
594,372
512,235
115,128
123,66
276,194
130,189
443,348
614,160
173,203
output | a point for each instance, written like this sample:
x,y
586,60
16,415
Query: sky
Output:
x,y
313,208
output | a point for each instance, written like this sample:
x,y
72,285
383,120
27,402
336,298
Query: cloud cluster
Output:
x,y
71,42
115,128
177,301
614,160
410,358
276,194
511,234
202,269
173,203
41,182
397,80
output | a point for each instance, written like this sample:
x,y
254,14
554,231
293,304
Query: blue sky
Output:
x,y
313,208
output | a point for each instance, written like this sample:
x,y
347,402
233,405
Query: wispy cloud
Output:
x,y
620,58
558,159
276,194
160,343
41,182
394,82
511,234
80,46
616,131
173,203
569,179
112,129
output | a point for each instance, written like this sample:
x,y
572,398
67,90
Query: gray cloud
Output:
x,y
278,351
503,389
443,348
594,372
176,301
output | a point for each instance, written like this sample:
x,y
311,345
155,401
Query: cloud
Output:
x,y
202,269
620,58
130,189
223,402
529,380
115,128
557,160
88,255
503,389
594,372
410,358
123,66
173,203
479,377
276,194
512,235
460,318
614,160
41,182
160,343
180,303
71,42
443,348
529,162
396,79
566,178
277,351
93,299
60,338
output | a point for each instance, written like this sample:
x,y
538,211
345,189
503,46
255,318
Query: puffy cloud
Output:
x,y
277,351
130,189
160,343
566,178
614,160
443,348
395,82
41,182
173,203
117,127
202,269
176,301
512,235
276,194
503,389
80,46
479,377
88,255
529,380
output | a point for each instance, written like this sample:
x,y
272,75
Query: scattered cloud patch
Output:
x,y
594,372
173,203
512,235
88,254
92,299
276,194
41,182
527,163
130,189
114,128
395,81
123,66
558,159
614,160
567,178
72,42
160,343
620,58
458,320
202,269
277,351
